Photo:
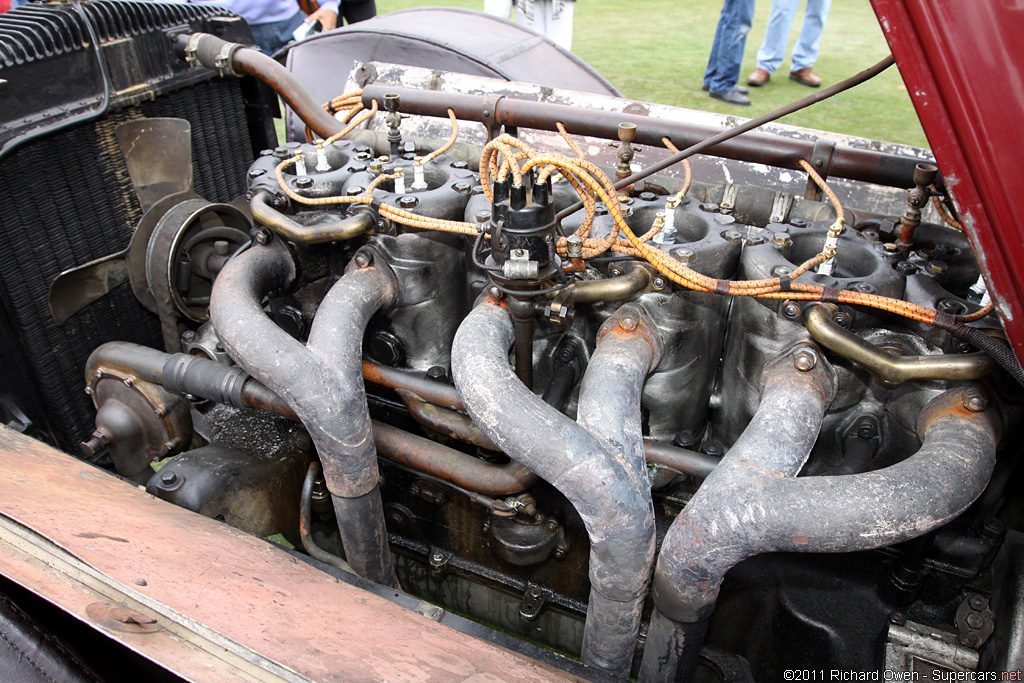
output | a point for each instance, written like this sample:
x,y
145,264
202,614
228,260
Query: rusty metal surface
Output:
x,y
253,596
706,169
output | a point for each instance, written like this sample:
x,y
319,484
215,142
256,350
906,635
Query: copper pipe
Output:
x,y
888,368
430,390
445,421
449,464
422,397
636,278
330,231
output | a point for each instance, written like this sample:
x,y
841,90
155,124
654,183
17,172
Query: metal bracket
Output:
x,y
821,160
781,205
532,603
728,202
915,647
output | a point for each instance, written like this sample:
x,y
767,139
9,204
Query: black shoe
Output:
x,y
739,88
731,97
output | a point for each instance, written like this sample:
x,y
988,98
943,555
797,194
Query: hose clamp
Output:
x,y
192,50
224,59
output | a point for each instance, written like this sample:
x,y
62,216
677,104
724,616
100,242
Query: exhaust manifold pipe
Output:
x,y
754,503
321,381
597,463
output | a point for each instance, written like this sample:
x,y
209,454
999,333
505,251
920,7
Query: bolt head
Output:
x,y
628,323
978,602
659,282
262,236
407,202
684,255
975,620
304,182
188,335
890,247
791,309
494,293
782,239
168,478
898,618
363,259
615,271
805,360
437,558
975,400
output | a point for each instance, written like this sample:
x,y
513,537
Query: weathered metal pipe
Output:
x,y
328,231
322,381
753,503
756,147
891,369
597,463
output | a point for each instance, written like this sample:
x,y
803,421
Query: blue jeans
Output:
x,y
730,40
776,37
275,35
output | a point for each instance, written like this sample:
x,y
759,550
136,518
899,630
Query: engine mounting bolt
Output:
x,y
304,182
805,360
684,255
975,620
168,478
574,246
782,239
659,282
262,236
842,319
978,602
791,309
938,267
897,617
628,323
971,640
975,400
408,202
363,259
906,268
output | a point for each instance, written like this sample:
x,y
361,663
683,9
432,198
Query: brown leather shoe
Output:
x,y
758,77
805,77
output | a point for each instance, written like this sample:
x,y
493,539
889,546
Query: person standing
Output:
x,y
274,21
727,52
776,38
550,18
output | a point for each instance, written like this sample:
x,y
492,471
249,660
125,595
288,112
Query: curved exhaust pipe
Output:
x,y
322,380
597,463
754,503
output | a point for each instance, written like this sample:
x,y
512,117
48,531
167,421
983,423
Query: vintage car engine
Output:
x,y
659,424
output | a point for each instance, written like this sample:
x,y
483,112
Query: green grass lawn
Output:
x,y
659,55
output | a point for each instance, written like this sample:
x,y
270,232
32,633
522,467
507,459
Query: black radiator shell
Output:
x,y
64,190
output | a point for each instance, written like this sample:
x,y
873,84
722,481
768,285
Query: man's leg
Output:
x,y
776,36
709,73
805,52
559,28
737,15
